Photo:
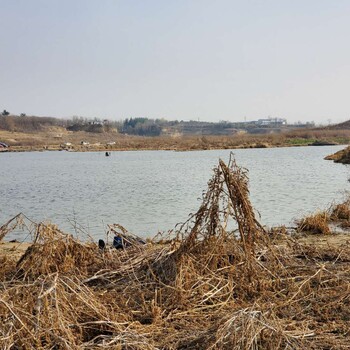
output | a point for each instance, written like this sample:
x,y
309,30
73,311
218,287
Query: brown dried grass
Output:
x,y
222,283
315,224
342,156
341,211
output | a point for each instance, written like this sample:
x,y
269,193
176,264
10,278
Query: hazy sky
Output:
x,y
206,59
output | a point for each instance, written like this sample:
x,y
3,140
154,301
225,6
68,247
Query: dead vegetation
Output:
x,y
342,156
315,224
341,211
223,282
338,214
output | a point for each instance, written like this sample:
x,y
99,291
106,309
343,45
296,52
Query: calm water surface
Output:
x,y
151,191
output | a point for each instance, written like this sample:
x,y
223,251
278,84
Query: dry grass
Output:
x,y
337,214
341,211
342,156
340,214
208,288
316,224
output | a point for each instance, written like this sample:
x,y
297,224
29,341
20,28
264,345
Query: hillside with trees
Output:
x,y
148,127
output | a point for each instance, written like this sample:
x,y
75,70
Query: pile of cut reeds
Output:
x,y
223,282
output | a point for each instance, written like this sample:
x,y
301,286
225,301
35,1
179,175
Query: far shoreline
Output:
x,y
79,149
59,139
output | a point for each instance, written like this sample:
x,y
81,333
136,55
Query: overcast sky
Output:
x,y
212,60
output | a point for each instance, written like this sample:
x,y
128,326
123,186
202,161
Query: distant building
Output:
x,y
272,122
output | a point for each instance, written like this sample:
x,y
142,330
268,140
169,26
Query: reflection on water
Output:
x,y
148,191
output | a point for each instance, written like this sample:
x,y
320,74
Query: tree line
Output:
x,y
141,126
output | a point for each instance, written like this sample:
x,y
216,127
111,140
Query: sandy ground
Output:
x,y
13,249
334,240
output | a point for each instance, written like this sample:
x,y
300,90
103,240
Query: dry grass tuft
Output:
x,y
316,224
340,212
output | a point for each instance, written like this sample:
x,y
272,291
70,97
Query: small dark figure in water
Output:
x,y
118,242
101,244
108,154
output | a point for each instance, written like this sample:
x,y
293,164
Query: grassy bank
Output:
x,y
206,288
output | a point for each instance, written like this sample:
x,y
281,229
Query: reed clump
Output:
x,y
341,211
224,282
316,224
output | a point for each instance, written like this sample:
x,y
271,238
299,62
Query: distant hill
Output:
x,y
32,124
16,123
344,126
147,127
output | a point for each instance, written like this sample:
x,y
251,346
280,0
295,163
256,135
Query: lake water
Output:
x,y
151,191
